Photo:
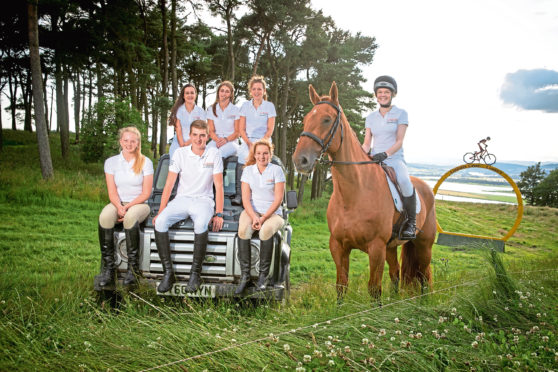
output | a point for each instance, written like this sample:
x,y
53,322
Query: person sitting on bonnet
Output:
x,y
200,168
129,178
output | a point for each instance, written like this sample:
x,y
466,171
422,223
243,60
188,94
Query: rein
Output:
x,y
326,141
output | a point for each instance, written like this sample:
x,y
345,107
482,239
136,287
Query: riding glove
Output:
x,y
380,157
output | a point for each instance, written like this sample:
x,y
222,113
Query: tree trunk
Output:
x,y
301,189
61,111
283,118
173,51
1,137
45,79
154,121
12,85
40,122
164,88
51,108
77,103
230,41
27,101
100,91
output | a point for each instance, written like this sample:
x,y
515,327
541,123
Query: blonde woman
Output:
x,y
263,186
223,118
257,120
183,113
129,177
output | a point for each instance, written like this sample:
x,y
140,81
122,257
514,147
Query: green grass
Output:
x,y
51,318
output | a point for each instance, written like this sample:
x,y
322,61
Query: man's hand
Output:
x,y
217,223
380,157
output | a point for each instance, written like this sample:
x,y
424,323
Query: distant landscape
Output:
x,y
475,184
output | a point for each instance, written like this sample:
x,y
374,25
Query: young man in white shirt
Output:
x,y
200,168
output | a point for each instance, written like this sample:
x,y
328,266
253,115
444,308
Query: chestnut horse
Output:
x,y
361,211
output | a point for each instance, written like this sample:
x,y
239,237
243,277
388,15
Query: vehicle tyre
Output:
x,y
469,157
489,159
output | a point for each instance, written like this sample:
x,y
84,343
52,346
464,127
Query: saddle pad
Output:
x,y
397,198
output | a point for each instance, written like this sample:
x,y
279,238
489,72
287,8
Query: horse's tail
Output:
x,y
411,272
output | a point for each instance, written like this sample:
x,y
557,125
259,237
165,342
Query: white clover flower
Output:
x,y
315,325
330,338
396,320
87,344
331,363
544,338
347,349
318,353
382,332
300,369
398,332
233,340
286,347
509,356
418,335
365,341
506,308
307,359
392,338
475,344
363,326
516,339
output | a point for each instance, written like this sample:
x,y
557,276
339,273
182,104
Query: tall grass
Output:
x,y
485,311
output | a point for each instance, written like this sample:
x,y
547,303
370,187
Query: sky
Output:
x,y
465,70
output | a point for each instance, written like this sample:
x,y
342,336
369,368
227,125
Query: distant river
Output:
x,y
471,188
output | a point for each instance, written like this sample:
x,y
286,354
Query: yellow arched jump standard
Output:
x,y
507,178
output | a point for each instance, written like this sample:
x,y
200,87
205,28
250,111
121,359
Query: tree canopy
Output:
x,y
142,51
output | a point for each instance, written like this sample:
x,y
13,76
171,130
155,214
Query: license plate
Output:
x,y
179,289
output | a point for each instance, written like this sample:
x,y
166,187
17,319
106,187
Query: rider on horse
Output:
x,y
386,128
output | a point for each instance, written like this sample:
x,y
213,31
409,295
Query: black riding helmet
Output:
x,y
385,82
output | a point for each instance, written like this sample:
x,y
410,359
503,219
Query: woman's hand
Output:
x,y
221,141
121,210
256,224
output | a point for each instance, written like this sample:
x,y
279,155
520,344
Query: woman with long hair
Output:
x,y
183,113
223,118
129,177
263,187
257,120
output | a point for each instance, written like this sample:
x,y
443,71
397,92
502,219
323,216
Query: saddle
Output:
x,y
398,201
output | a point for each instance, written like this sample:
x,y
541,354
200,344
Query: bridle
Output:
x,y
326,141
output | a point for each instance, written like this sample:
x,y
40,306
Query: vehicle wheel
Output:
x,y
469,157
489,159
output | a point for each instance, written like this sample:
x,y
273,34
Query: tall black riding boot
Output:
x,y
200,246
410,205
106,241
266,252
244,258
132,250
163,248
237,200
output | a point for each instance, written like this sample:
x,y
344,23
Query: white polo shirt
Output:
x,y
263,186
256,118
224,121
196,172
128,184
186,118
384,129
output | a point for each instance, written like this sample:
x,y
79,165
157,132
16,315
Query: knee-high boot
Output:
x,y
106,242
132,250
266,252
244,258
200,246
237,200
163,248
410,205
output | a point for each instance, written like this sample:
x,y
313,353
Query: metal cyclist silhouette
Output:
x,y
481,155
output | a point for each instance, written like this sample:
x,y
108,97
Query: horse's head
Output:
x,y
319,132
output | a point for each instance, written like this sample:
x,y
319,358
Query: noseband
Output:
x,y
326,141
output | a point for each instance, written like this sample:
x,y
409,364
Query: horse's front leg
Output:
x,y
393,263
377,256
341,259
